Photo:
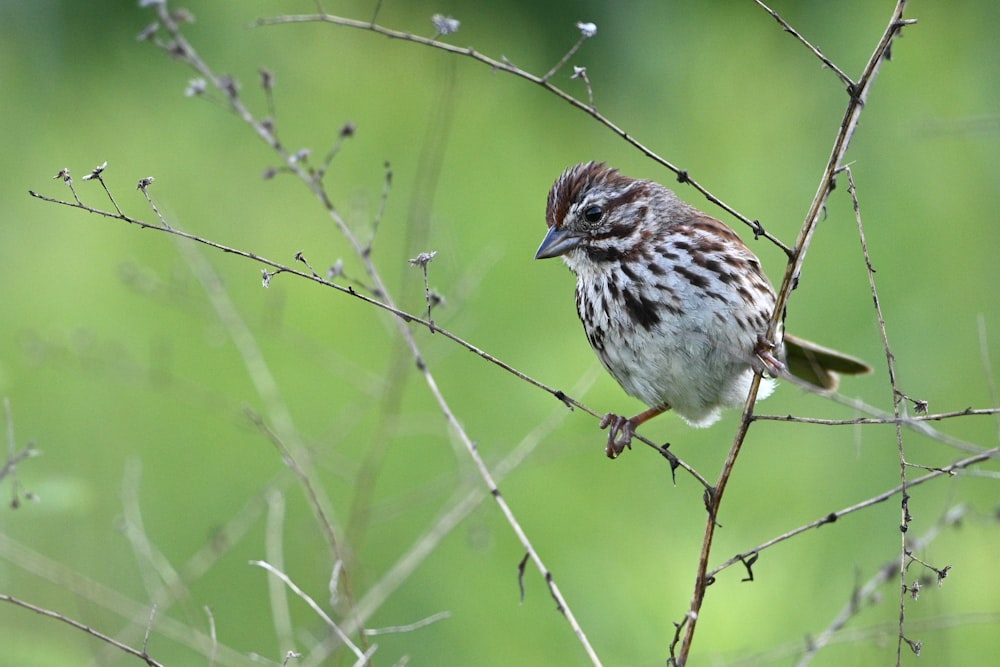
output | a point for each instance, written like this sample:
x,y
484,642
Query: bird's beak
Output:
x,y
557,242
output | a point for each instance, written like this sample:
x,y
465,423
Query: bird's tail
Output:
x,y
819,366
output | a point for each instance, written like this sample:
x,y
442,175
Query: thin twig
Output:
x,y
905,420
897,403
920,426
40,565
506,66
149,628
159,576
819,54
311,488
402,315
346,132
422,260
586,32
868,502
858,94
142,655
95,175
468,498
312,605
867,590
409,627
273,547
211,633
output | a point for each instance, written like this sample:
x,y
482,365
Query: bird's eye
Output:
x,y
593,214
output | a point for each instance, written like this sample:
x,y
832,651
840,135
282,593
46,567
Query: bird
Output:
x,y
673,302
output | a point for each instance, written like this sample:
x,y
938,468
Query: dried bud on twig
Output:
x,y
195,87
96,172
445,25
423,259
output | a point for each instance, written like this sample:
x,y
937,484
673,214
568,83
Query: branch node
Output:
x,y
520,574
675,462
748,562
563,398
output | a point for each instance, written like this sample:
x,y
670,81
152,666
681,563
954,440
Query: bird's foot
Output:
x,y
620,435
768,362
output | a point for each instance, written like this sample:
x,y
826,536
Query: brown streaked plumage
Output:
x,y
673,302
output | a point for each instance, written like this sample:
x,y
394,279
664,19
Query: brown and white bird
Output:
x,y
673,302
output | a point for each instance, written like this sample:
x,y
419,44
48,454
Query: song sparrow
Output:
x,y
673,302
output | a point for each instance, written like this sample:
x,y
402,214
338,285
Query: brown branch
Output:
x,y
858,94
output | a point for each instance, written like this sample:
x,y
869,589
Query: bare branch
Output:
x,y
866,591
587,30
905,420
858,94
210,85
819,54
142,655
409,627
874,500
897,396
317,609
504,65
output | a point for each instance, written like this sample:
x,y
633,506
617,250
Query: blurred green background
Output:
x,y
117,365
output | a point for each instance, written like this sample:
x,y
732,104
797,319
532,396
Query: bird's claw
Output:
x,y
769,363
620,435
